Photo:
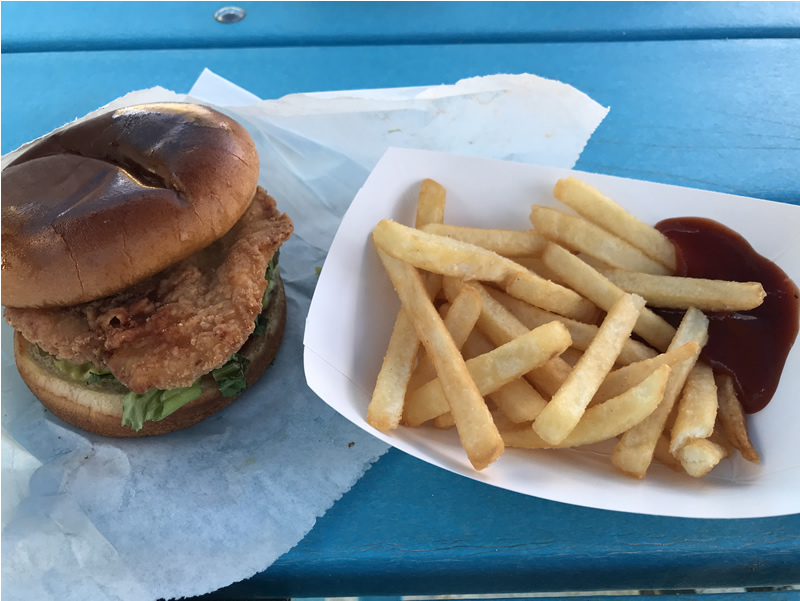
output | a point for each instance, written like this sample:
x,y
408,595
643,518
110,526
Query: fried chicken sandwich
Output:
x,y
139,268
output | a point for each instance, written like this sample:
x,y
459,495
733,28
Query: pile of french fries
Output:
x,y
525,338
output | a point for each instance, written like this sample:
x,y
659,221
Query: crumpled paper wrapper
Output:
x,y
85,517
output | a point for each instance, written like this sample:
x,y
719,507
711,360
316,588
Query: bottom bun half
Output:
x,y
97,408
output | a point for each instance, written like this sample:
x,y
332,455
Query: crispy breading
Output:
x,y
178,325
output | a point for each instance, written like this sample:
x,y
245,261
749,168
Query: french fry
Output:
x,y
537,291
663,456
672,292
491,371
507,243
623,378
430,209
698,456
476,430
386,406
517,400
733,420
579,235
397,370
430,203
634,451
602,422
449,257
594,286
537,266
572,355
697,408
550,377
444,421
503,423
565,409
582,333
459,319
718,437
500,326
600,209
443,255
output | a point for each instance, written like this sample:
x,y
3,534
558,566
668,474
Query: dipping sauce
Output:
x,y
751,346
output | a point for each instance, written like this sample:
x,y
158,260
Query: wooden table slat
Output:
x,y
70,26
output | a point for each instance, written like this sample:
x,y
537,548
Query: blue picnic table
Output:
x,y
702,94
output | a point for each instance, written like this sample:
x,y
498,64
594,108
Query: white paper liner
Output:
x,y
86,517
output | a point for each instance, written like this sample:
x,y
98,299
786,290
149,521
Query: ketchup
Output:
x,y
751,346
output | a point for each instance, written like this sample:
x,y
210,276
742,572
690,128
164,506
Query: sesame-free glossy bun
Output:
x,y
101,205
97,408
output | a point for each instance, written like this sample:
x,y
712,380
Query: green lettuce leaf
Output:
x,y
230,377
261,325
154,405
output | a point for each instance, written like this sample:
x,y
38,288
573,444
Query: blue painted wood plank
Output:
x,y
407,528
60,26
709,114
776,595
715,114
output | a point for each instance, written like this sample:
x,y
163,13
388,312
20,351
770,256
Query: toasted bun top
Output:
x,y
105,203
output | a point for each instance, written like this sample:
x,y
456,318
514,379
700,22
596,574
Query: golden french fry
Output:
x,y
580,235
503,423
565,409
572,355
476,429
592,285
550,377
582,333
598,208
459,319
537,291
537,266
718,437
430,209
430,203
451,286
698,456
450,257
386,407
500,326
507,243
663,456
443,255
733,420
623,378
634,451
601,422
697,408
674,292
444,421
517,400
397,371
491,371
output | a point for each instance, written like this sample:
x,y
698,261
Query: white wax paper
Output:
x,y
85,517
354,287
